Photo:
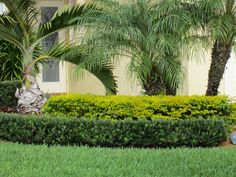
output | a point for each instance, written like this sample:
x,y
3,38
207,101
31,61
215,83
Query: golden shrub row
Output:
x,y
139,107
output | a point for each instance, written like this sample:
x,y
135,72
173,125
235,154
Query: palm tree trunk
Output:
x,y
155,84
219,58
30,98
154,87
170,91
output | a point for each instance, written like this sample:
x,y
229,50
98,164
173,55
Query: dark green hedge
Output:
x,y
106,133
7,93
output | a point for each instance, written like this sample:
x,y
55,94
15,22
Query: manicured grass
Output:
x,y
42,161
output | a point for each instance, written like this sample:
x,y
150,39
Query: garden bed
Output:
x,y
8,109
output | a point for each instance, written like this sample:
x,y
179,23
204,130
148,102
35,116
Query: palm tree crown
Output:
x,y
133,28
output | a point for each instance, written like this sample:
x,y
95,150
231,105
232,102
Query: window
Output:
x,y
50,69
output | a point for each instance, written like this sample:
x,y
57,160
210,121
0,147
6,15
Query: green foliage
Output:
x,y
139,107
86,60
11,62
23,40
40,161
107,133
211,23
133,29
7,93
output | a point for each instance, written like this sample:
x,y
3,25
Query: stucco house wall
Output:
x,y
89,84
196,75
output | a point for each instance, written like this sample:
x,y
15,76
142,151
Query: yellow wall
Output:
x,y
196,75
126,86
87,84
90,84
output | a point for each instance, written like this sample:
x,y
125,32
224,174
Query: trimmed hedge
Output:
x,y
107,133
7,93
139,107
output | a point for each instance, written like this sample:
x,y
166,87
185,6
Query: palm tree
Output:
x,y
132,28
214,20
19,31
221,26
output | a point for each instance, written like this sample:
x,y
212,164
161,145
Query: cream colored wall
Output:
x,y
90,84
81,1
126,86
85,83
196,75
230,76
184,89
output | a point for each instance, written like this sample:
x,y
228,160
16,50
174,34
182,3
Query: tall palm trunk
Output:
x,y
219,58
30,98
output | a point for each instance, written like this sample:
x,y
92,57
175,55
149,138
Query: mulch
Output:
x,y
8,109
228,144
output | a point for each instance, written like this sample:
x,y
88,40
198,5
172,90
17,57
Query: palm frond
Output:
x,y
133,29
86,59
11,36
222,28
59,50
11,65
106,77
67,17
6,19
171,69
24,12
139,67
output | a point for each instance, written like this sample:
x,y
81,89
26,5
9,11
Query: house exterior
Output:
x,y
57,77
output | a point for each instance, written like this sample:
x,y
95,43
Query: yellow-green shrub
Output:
x,y
139,107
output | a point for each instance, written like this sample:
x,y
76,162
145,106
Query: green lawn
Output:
x,y
40,161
